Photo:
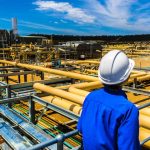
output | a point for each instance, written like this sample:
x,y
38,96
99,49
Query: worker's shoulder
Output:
x,y
118,103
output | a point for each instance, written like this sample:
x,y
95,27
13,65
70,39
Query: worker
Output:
x,y
108,120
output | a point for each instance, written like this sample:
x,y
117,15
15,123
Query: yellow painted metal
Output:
x,y
90,85
137,75
81,62
85,85
61,93
144,121
88,61
144,133
145,111
8,62
92,71
64,104
53,71
143,78
78,91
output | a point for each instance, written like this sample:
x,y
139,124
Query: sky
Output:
x,y
77,17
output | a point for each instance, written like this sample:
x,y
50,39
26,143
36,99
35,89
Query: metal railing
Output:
x,y
59,139
144,141
148,138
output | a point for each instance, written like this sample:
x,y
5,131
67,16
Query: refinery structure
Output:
x,y
43,86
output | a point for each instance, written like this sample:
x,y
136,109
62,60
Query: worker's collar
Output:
x,y
113,89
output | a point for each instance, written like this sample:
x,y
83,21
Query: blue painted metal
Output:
x,y
15,140
29,128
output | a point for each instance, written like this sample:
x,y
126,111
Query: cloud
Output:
x,y
144,6
121,14
5,19
75,14
39,26
63,21
47,27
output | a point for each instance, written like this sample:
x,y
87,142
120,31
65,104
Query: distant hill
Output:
x,y
104,38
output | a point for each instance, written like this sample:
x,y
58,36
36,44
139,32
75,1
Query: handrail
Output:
x,y
59,140
145,140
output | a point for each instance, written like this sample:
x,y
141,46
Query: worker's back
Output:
x,y
109,122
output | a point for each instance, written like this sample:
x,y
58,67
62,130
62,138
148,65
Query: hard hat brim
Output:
x,y
123,79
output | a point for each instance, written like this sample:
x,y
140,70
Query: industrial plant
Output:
x,y
44,82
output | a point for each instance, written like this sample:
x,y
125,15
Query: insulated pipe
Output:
x,y
137,71
59,72
81,62
83,85
91,71
8,62
144,121
146,77
144,133
87,61
137,75
53,71
90,85
78,91
61,93
64,104
133,75
145,111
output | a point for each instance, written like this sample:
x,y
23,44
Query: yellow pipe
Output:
x,y
90,85
133,75
145,111
78,91
146,77
63,103
144,133
137,75
59,72
53,71
144,121
87,61
8,62
61,93
92,71
136,71
85,85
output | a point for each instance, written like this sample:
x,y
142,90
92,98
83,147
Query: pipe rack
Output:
x,y
73,95
53,71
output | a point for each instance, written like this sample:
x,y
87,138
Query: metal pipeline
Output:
x,y
144,133
137,75
90,85
8,62
86,62
144,121
60,93
146,77
133,75
64,104
78,88
78,91
53,71
145,111
84,85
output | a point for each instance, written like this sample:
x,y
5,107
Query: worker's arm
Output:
x,y
128,132
80,121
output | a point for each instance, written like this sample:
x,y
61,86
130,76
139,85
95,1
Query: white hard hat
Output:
x,y
115,67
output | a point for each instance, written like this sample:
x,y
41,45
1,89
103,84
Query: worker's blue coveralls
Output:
x,y
109,122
